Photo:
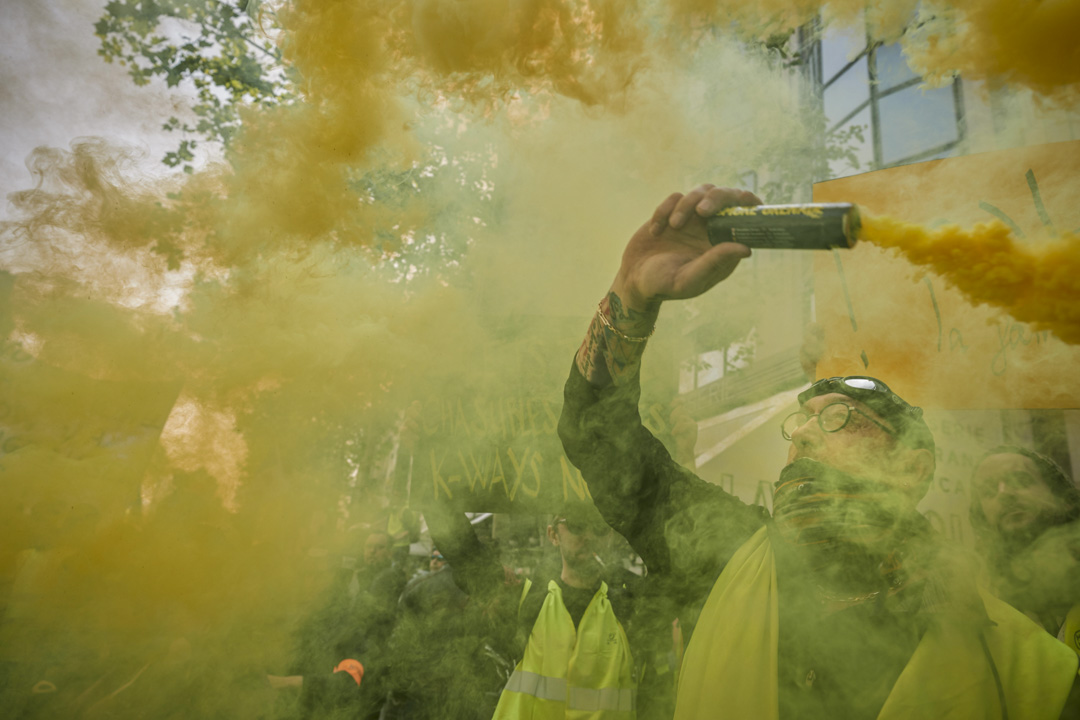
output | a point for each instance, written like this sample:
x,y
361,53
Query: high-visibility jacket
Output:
x,y
730,666
1069,633
571,674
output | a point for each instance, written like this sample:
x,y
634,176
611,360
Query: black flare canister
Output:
x,y
810,226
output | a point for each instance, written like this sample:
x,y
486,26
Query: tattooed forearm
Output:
x,y
590,356
634,323
611,352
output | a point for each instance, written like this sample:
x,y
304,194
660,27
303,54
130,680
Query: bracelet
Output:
x,y
619,333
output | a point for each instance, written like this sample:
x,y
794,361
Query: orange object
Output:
x,y
353,667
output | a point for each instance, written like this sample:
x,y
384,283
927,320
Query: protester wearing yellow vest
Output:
x,y
842,604
568,672
577,663
1025,512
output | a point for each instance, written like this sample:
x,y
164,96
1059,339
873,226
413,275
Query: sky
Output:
x,y
54,88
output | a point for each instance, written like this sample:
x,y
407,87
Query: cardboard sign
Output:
x,y
494,453
884,317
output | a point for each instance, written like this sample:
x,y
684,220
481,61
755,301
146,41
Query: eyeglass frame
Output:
x,y
843,425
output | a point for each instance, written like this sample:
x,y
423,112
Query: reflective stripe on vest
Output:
x,y
577,698
568,673
541,686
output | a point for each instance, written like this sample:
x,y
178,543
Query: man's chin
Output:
x,y
818,465
811,459
587,566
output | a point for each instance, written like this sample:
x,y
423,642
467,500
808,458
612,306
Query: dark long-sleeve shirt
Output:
x,y
684,528
840,664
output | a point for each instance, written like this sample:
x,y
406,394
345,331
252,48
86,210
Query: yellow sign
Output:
x,y
884,317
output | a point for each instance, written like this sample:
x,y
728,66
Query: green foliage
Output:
x,y
223,49
843,144
457,201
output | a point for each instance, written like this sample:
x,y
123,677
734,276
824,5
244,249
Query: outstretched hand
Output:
x,y
670,256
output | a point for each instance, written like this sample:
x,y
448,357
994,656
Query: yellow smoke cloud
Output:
x,y
185,360
1036,283
1005,43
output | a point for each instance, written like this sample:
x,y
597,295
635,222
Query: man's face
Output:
x,y
580,542
862,448
1012,494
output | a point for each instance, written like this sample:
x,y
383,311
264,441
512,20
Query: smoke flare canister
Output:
x,y
809,226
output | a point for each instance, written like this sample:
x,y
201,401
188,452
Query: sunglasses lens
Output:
x,y
862,384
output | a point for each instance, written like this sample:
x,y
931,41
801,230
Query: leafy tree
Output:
x,y
225,49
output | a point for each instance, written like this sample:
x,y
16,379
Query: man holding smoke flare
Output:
x,y
843,604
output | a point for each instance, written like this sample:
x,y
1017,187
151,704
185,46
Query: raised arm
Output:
x,y
678,523
668,258
477,570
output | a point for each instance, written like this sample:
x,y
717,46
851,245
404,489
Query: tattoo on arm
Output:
x,y
632,322
604,357
590,359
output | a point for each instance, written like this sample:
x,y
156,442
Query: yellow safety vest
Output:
x,y
1070,630
730,667
583,674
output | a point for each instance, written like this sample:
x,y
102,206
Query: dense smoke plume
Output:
x,y
1035,282
195,369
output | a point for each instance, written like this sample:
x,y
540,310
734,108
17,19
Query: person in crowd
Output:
x,y
379,582
434,590
576,659
1024,511
442,665
342,659
843,602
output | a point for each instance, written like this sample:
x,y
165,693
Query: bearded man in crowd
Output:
x,y
843,603
1024,511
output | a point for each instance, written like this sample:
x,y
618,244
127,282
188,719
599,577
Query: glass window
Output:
x,y
711,367
943,154
839,46
863,150
914,120
844,95
892,67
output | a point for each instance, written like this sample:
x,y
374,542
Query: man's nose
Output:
x,y
1000,495
1005,490
802,435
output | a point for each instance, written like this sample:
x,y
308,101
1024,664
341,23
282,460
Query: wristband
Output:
x,y
619,333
